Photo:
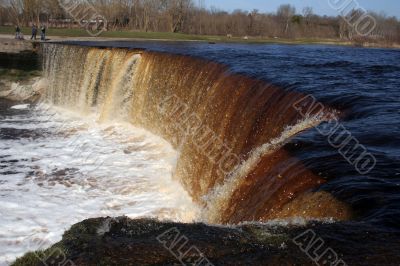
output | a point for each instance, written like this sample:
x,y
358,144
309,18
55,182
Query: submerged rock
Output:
x,y
122,241
31,91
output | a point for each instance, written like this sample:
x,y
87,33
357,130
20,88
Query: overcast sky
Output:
x,y
321,7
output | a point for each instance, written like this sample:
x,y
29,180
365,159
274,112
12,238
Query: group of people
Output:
x,y
19,36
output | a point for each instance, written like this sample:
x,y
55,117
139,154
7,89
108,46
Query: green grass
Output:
x,y
168,36
114,34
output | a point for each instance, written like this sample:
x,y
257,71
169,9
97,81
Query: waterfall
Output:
x,y
230,130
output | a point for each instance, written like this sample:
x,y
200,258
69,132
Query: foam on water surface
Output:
x,y
76,168
20,106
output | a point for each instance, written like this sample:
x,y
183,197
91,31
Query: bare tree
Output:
x,y
285,13
17,10
307,14
177,11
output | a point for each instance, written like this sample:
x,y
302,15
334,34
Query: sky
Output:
x,y
320,7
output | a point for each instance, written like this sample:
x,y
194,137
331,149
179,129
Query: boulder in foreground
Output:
x,y
122,241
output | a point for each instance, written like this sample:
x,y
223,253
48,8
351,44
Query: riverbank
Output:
x,y
81,34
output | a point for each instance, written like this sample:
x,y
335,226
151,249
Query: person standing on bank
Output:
x,y
43,33
34,32
17,32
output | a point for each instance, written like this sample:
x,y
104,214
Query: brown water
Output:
x,y
230,130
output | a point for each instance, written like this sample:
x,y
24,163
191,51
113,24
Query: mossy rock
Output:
x,y
122,241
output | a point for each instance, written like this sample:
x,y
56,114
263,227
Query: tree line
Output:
x,y
188,16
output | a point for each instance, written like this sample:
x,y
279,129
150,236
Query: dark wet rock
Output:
x,y
25,60
9,173
15,133
122,241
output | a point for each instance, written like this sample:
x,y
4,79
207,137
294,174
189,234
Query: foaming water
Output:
x,y
68,168
20,106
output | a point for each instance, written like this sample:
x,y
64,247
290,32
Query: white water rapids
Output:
x,y
57,169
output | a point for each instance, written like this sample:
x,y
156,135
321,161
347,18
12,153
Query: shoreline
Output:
x,y
123,36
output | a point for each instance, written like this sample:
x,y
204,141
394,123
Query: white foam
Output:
x,y
80,169
20,106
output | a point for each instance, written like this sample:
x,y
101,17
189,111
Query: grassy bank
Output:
x,y
54,33
168,36
110,34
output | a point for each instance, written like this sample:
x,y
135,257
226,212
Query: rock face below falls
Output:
x,y
122,241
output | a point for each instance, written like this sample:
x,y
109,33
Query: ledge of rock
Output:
x,y
17,54
122,241
8,45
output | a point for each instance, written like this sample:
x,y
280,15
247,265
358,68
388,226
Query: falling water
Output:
x,y
229,130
